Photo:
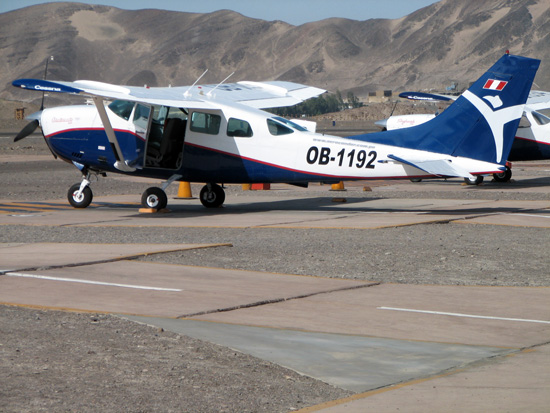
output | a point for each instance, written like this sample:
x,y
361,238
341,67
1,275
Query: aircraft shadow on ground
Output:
x,y
324,204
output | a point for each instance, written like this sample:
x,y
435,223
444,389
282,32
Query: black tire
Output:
x,y
154,198
416,180
81,201
214,198
478,180
503,176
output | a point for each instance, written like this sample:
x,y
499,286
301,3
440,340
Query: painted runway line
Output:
x,y
75,280
464,315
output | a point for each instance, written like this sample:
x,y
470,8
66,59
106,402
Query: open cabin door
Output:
x,y
164,148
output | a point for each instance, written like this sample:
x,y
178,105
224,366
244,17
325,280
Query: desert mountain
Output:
x,y
452,41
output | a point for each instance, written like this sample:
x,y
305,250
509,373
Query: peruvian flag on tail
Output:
x,y
495,84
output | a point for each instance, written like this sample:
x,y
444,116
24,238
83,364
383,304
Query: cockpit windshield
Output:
x,y
290,123
122,108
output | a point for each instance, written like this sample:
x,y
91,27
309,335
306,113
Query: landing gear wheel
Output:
x,y
212,196
81,200
503,176
416,180
476,181
154,198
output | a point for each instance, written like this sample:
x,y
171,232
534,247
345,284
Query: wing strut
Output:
x,y
121,164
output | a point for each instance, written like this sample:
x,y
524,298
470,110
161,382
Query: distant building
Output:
x,y
20,113
380,96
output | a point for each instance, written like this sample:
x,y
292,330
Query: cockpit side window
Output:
x,y
122,108
278,129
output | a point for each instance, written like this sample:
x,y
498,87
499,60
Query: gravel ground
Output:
x,y
58,361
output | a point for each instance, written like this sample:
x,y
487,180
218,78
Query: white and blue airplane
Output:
x,y
219,134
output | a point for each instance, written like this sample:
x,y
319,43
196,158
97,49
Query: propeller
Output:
x,y
35,122
27,130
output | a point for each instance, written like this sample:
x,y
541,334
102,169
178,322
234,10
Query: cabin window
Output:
x,y
205,123
122,108
239,128
277,129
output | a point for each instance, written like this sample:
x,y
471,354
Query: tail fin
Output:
x,y
482,123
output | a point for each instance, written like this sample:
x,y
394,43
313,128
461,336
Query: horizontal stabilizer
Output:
x,y
437,167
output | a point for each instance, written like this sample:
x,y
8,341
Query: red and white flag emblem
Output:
x,y
495,84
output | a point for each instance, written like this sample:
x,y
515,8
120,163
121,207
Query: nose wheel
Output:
x,y
80,197
212,196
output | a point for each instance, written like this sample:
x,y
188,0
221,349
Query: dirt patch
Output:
x,y
63,361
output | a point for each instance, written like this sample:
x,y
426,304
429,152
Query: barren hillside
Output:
x,y
451,41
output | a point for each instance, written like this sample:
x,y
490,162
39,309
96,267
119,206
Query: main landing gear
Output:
x,y
504,176
212,196
477,180
154,198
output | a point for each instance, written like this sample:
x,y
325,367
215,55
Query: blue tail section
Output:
x,y
482,123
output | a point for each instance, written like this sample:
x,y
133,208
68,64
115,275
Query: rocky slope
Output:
x,y
449,42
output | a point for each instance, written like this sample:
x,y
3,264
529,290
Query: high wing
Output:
x,y
253,94
258,95
427,97
537,99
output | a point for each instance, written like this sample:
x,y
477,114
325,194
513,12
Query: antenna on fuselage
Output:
x,y
196,81
219,84
45,78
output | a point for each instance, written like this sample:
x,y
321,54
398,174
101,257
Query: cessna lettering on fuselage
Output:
x,y
218,134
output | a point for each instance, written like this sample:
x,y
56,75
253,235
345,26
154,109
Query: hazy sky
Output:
x,y
291,11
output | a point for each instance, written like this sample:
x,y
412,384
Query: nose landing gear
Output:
x,y
80,195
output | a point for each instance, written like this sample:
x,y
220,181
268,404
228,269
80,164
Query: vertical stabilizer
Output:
x,y
482,123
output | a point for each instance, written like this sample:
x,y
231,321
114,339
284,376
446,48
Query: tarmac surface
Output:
x,y
394,346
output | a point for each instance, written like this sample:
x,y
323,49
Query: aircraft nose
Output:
x,y
382,123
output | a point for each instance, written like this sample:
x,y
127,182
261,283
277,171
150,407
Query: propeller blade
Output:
x,y
27,130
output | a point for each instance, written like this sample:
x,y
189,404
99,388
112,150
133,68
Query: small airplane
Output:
x,y
218,134
532,141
